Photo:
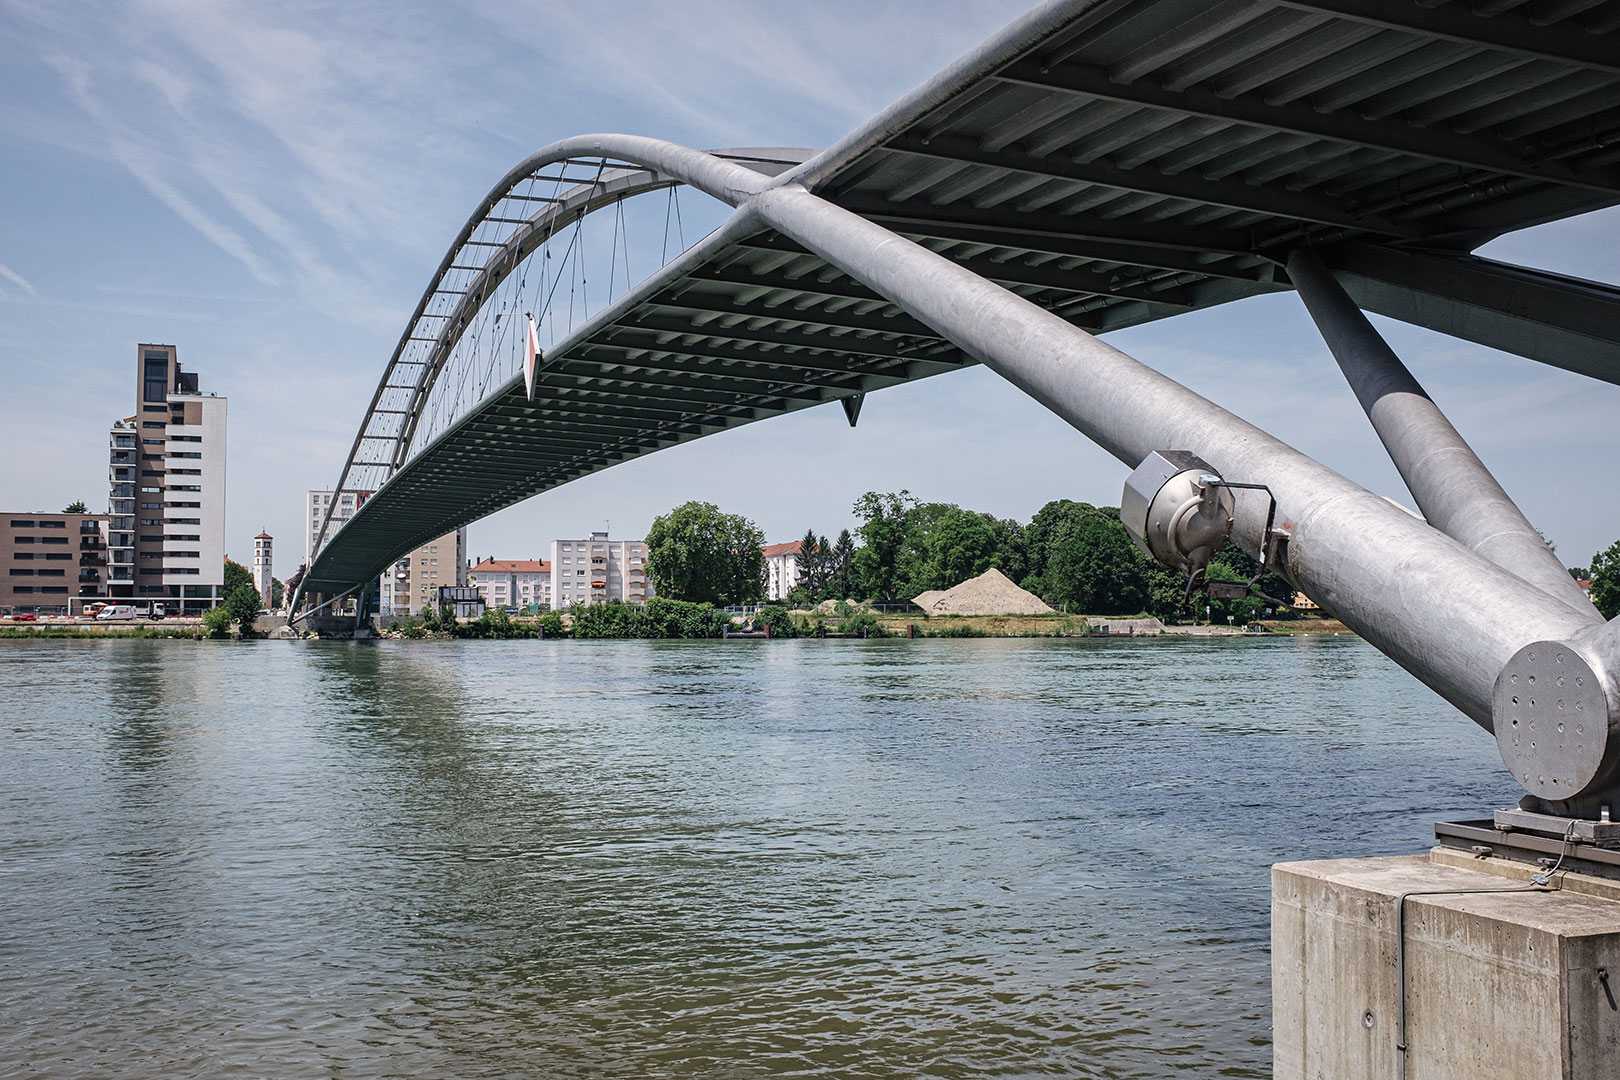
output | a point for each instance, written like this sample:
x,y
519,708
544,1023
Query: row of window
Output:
x,y
49,555
26,524
39,589
17,571
40,539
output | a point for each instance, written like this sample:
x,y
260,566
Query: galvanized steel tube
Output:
x,y
1453,488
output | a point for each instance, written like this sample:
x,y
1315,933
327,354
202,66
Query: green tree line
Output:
x,y
1075,556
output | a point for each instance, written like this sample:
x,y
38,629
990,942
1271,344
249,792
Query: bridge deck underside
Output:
x,y
1113,162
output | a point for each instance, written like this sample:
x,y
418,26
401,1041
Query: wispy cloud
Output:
x,y
17,279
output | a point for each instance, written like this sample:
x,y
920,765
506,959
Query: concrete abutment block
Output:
x,y
1498,983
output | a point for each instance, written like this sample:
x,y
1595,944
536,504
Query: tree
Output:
x,y
815,564
954,545
243,605
883,538
236,575
1096,569
697,553
842,585
76,507
1605,570
278,592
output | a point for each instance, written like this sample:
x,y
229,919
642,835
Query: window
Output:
x,y
23,539
151,506
433,562
58,556
153,424
149,539
53,539
434,550
23,555
22,588
182,570
151,442
186,454
52,573
19,572
182,555
152,521
185,521
53,524
185,487
155,408
151,472
185,472
581,573
184,536
185,438
187,505
151,554
16,524
151,491
54,589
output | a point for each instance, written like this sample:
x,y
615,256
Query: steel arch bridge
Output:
x,y
1098,164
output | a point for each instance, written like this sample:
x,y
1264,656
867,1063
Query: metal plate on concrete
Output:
x,y
1553,825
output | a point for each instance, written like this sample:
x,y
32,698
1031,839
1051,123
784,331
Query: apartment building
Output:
x,y
597,570
781,569
412,585
315,513
49,560
518,583
166,488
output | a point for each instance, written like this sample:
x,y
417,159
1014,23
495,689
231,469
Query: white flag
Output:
x,y
530,357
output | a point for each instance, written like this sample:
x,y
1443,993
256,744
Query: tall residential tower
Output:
x,y
168,504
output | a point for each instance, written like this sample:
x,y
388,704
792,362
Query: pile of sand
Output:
x,y
991,593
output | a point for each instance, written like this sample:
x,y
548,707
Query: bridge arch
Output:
x,y
626,166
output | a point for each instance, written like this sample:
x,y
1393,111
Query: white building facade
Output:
x,y
597,570
315,513
516,583
781,569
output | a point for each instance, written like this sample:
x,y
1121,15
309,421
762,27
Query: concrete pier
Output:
x,y
1512,984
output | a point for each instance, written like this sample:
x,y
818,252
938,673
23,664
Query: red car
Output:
x,y
26,616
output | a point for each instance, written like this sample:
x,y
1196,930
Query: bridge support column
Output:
x,y
1442,967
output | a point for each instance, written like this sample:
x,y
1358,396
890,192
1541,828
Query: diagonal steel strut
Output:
x,y
1453,488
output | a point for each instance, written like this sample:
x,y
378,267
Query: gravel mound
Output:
x,y
991,593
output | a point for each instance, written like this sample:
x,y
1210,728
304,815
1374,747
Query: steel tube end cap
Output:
x,y
1552,721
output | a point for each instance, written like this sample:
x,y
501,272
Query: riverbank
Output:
x,y
190,629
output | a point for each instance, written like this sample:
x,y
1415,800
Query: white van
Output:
x,y
116,612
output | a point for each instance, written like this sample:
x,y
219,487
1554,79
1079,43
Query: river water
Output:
x,y
717,859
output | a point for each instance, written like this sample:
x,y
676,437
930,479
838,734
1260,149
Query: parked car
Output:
x,y
25,616
116,613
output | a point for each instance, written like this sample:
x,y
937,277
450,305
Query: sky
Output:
x,y
270,187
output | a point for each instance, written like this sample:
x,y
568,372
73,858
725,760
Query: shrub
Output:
x,y
956,630
218,621
863,624
776,621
